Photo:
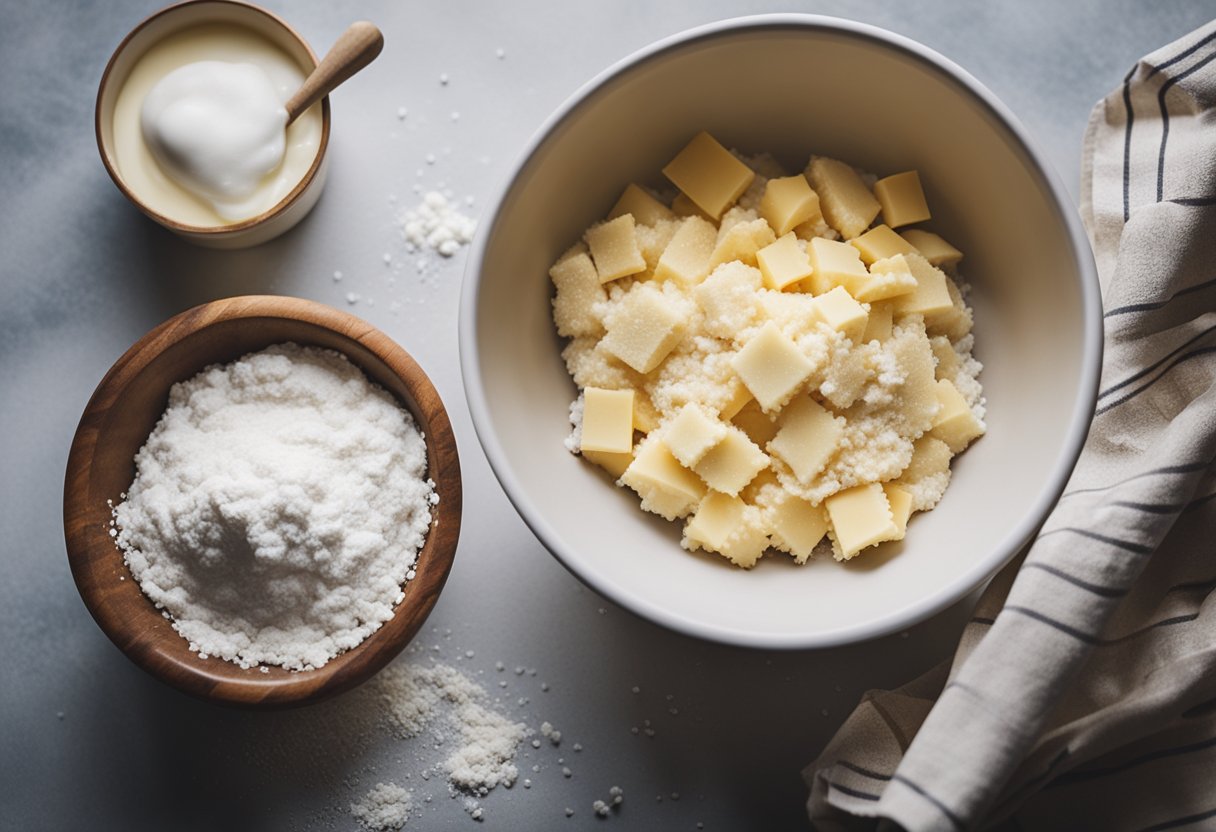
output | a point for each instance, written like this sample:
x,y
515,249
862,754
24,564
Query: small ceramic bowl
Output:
x,y
791,85
122,412
171,20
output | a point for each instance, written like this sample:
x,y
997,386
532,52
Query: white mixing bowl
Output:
x,y
791,84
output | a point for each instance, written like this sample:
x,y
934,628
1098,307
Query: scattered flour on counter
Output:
x,y
278,508
415,697
437,225
386,807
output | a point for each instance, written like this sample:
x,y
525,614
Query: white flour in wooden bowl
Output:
x,y
278,508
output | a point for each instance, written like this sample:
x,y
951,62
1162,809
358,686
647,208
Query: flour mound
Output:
x,y
278,508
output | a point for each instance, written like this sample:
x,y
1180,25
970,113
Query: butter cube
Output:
x,y
796,526
665,486
578,290
954,423
954,322
728,526
644,328
847,203
741,242
614,464
889,278
901,198
835,264
692,433
900,501
772,367
787,202
645,208
838,310
932,247
930,297
881,242
860,517
808,437
739,399
607,420
758,425
947,359
878,324
708,173
686,257
614,248
732,463
930,457
783,262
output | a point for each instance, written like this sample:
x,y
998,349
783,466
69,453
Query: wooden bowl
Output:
x,y
122,412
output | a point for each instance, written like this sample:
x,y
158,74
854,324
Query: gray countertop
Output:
x,y
88,741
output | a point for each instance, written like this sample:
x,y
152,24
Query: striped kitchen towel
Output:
x,y
1083,692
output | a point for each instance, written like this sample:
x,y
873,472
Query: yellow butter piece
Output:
x,y
807,438
796,527
709,174
741,242
947,359
607,420
900,502
772,367
880,242
645,208
783,262
728,526
788,202
758,425
847,204
841,312
932,247
930,457
614,464
889,278
835,264
738,400
902,199
692,433
860,517
644,328
665,486
930,297
954,322
918,393
614,248
686,257
878,323
732,463
578,290
954,423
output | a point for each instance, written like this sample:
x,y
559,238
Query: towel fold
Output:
x,y
1083,692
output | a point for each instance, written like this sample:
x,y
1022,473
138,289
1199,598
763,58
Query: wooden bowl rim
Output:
x,y
199,677
210,230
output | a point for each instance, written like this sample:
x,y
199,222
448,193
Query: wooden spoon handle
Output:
x,y
354,49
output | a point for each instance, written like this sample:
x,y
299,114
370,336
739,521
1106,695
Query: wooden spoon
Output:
x,y
354,49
